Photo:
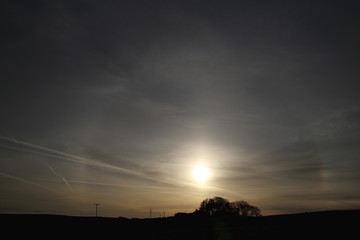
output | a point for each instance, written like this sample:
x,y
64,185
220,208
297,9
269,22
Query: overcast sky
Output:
x,y
115,102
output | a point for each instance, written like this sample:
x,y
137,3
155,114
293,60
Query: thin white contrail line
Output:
x,y
117,185
95,163
62,178
67,156
48,152
25,181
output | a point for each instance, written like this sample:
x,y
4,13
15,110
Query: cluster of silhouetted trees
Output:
x,y
220,206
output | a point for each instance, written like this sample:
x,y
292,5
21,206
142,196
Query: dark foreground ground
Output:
x,y
316,225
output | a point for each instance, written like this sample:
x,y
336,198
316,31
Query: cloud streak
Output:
x,y
52,153
25,181
48,152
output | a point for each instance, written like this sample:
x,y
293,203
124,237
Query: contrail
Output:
x,y
67,156
62,178
25,181
48,152
117,185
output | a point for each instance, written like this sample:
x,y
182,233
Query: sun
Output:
x,y
201,173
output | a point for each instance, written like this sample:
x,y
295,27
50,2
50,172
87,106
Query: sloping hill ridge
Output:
x,y
334,224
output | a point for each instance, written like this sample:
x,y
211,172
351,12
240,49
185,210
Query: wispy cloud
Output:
x,y
52,153
48,152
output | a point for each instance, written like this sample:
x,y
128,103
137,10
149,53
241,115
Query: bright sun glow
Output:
x,y
201,173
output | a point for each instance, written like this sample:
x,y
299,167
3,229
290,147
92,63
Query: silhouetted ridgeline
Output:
x,y
334,224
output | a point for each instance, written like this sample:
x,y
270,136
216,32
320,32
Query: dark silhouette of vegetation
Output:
x,y
244,209
220,206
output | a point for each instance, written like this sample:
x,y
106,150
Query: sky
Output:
x,y
117,102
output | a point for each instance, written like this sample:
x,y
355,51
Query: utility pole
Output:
x,y
150,212
96,207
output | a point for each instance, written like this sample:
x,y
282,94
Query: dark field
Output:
x,y
315,225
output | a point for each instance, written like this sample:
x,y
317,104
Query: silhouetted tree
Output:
x,y
255,211
215,206
221,206
243,208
